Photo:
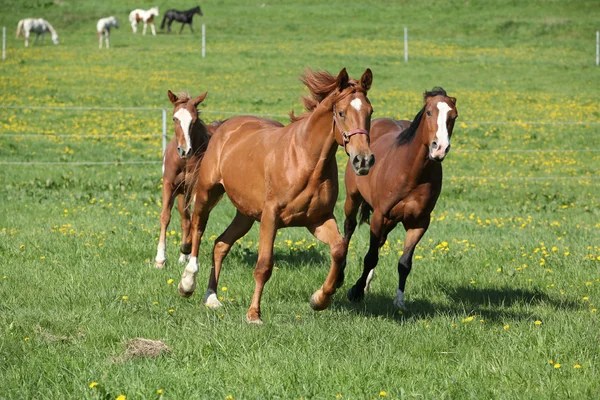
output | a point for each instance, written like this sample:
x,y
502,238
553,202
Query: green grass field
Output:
x,y
503,297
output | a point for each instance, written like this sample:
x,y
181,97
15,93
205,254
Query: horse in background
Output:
x,y
283,176
146,16
103,28
404,185
180,164
37,25
185,17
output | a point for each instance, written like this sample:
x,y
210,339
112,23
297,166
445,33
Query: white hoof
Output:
x,y
183,258
211,301
399,300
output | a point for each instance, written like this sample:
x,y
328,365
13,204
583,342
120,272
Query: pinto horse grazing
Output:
x,y
283,176
180,163
37,25
146,16
185,17
103,28
403,186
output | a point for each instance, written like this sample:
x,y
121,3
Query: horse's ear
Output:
x,y
366,79
200,99
342,79
172,97
453,100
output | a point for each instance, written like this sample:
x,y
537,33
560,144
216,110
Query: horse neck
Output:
x,y
199,136
51,29
415,155
316,139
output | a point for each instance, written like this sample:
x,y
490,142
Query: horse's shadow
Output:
x,y
287,258
489,304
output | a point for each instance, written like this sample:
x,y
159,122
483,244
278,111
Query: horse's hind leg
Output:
x,y
181,30
414,233
186,243
191,29
205,200
153,29
240,225
165,218
328,233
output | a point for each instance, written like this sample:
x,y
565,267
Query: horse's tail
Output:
x,y
162,25
365,212
20,27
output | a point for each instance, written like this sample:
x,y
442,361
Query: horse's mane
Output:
x,y
407,135
183,97
320,84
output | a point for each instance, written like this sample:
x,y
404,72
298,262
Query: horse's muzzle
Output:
x,y
361,163
184,153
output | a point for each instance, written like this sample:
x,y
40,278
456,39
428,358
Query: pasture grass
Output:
x,y
502,301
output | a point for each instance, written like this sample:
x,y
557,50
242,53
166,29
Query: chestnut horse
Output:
x,y
283,176
180,162
403,186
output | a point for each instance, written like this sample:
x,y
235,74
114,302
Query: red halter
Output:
x,y
347,135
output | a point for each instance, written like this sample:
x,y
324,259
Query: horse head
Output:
x,y
439,114
185,115
198,11
352,119
153,11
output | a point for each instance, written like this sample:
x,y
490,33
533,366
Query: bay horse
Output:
x,y
283,176
185,17
146,16
103,29
180,162
37,25
404,185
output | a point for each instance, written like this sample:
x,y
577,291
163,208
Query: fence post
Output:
x,y
203,41
3,43
597,48
164,131
405,44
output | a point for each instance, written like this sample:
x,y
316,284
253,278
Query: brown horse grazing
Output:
x,y
283,176
180,162
403,186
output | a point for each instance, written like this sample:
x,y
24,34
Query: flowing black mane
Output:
x,y
407,135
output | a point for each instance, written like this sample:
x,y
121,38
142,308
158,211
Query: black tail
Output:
x,y
162,25
365,212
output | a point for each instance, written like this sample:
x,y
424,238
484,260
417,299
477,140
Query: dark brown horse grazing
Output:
x,y
180,162
403,186
283,176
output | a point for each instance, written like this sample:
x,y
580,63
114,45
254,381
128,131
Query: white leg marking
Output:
x,y
357,104
210,299
160,253
369,279
399,300
183,258
188,278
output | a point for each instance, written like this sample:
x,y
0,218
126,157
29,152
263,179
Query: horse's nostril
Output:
x,y
356,161
434,145
371,160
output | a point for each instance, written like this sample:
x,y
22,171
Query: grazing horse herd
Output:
x,y
286,176
103,26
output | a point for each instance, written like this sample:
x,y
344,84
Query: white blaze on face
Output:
x,y
441,136
185,119
357,104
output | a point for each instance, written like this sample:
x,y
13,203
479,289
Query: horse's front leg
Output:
x,y
328,233
153,29
165,218
144,30
414,233
264,265
183,203
108,39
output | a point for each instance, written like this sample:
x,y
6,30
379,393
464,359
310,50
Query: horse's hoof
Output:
x,y
253,318
318,301
160,264
211,301
182,292
399,300
355,294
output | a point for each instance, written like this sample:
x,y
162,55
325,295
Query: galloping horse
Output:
x,y
180,163
283,176
404,184
185,17
103,28
146,16
37,25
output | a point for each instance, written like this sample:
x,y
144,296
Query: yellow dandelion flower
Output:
x,y
170,282
159,391
585,298
22,246
230,397
382,394
121,397
506,327
171,310
550,361
224,288
338,396
556,366
468,319
155,303
125,297
538,322
93,384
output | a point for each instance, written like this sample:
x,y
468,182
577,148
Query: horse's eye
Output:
x,y
428,113
341,113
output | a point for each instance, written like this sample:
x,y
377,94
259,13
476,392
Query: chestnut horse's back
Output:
x,y
387,126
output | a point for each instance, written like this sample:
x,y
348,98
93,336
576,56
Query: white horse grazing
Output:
x,y
146,16
103,27
37,25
